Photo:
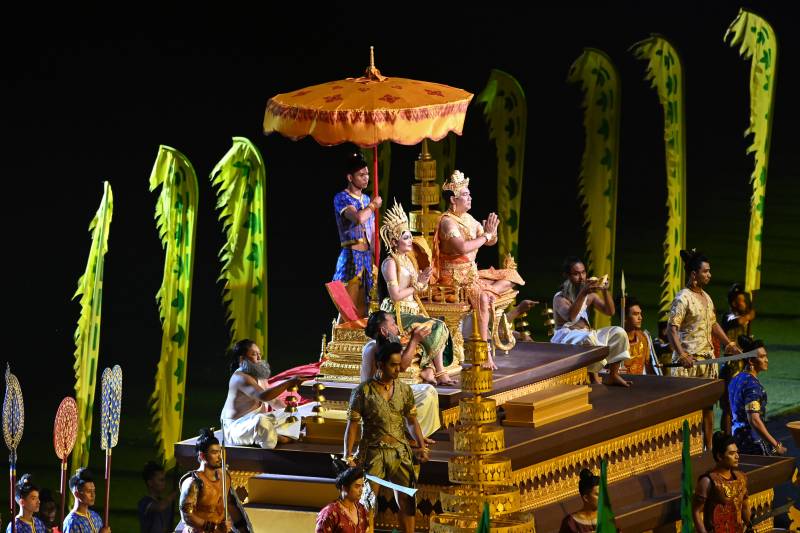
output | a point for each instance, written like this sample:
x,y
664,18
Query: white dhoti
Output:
x,y
614,337
262,429
426,400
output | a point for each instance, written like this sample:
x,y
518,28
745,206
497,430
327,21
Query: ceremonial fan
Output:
x,y
65,430
109,422
13,424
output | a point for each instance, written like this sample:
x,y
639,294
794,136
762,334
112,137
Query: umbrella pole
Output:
x,y
12,475
63,489
108,486
374,194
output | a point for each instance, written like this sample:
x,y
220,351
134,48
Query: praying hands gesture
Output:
x,y
425,276
490,226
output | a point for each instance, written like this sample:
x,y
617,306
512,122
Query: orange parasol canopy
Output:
x,y
369,110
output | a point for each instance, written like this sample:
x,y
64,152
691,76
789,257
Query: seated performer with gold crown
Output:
x,y
456,242
403,282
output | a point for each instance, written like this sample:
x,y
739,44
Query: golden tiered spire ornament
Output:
x,y
479,474
425,193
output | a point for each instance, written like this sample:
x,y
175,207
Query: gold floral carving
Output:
x,y
628,455
446,523
478,410
468,501
478,440
479,471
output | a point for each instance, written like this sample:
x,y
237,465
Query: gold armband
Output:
x,y
392,283
753,407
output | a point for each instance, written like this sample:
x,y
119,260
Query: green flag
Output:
x,y
241,183
605,516
687,483
757,42
87,334
597,183
506,113
176,216
485,522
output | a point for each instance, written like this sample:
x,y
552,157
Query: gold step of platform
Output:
x,y
546,406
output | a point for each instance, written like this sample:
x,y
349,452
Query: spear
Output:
x,y
622,302
13,424
225,489
109,421
65,431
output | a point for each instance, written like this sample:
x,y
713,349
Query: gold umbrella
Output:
x,y
367,111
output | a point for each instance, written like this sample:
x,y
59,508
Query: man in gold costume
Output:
x,y
643,354
456,242
201,501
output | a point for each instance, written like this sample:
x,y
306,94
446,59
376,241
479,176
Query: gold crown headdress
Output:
x,y
395,222
456,182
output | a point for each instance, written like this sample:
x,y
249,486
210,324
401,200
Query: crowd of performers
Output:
x,y
390,423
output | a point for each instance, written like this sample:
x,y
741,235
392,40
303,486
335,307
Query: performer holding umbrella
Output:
x,y
367,111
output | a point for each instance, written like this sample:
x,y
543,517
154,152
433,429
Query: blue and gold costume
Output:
x,y
351,262
80,523
37,526
747,395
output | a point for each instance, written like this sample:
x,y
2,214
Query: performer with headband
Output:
x,y
82,519
692,323
202,497
355,220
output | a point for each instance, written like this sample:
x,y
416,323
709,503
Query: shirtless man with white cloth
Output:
x,y
245,417
571,308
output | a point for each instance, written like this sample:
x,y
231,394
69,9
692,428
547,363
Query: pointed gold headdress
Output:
x,y
395,222
456,182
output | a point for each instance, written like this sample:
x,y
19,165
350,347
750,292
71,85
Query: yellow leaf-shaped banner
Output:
x,y
506,113
241,182
176,220
665,73
757,42
87,334
597,184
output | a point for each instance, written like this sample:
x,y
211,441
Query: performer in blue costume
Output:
x,y
27,496
355,220
749,404
82,519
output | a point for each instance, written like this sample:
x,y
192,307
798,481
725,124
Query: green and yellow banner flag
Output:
x,y
605,515
384,170
241,183
506,113
87,334
597,184
665,74
176,220
757,42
